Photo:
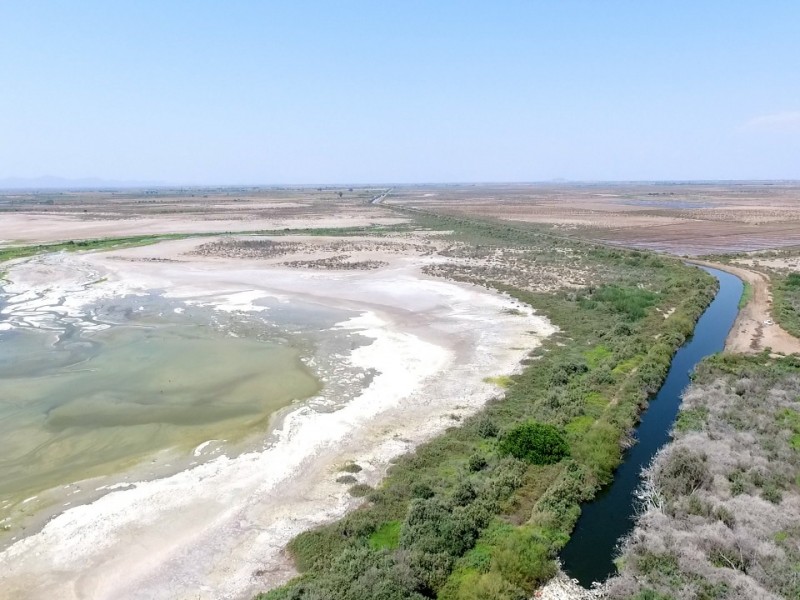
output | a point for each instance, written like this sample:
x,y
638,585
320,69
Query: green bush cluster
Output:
x,y
631,302
412,558
536,443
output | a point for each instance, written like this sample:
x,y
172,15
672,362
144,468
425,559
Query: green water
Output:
x,y
101,402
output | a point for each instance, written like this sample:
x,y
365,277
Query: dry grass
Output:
x,y
336,263
722,502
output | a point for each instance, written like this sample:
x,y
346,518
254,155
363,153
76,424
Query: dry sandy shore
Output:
x,y
218,530
23,228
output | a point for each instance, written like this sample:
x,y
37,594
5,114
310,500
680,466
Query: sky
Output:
x,y
387,91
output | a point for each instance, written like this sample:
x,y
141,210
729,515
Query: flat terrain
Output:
x,y
31,217
408,265
679,218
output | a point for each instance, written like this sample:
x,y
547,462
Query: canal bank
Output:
x,y
589,555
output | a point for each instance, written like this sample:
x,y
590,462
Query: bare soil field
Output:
x,y
680,218
36,217
781,261
688,219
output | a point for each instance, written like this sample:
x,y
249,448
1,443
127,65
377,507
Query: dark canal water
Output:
x,y
588,557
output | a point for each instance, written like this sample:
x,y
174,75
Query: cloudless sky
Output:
x,y
261,92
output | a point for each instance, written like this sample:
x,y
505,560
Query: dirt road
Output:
x,y
755,329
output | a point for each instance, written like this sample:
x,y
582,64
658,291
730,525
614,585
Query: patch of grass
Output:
x,y
790,419
579,425
386,537
502,381
626,366
595,403
692,419
631,302
597,355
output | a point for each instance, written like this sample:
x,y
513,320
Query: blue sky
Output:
x,y
213,92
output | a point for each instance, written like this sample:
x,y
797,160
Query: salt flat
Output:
x,y
218,529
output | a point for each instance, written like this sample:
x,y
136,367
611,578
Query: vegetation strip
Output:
x,y
14,252
747,295
786,301
481,511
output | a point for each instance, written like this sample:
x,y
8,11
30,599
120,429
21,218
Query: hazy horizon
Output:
x,y
51,183
273,94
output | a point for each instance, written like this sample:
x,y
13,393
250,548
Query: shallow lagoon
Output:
x,y
80,403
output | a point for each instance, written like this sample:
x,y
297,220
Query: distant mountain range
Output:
x,y
48,182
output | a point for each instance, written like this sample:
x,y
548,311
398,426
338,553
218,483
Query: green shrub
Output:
x,y
464,494
771,493
476,463
564,372
730,558
474,585
524,561
433,527
422,490
650,563
536,443
651,595
559,507
487,428
793,280
726,516
599,448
